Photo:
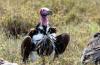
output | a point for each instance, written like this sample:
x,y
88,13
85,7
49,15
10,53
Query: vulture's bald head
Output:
x,y
45,12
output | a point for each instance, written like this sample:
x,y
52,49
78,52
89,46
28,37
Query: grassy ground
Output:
x,y
79,18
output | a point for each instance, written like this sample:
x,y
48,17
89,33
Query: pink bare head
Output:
x,y
44,12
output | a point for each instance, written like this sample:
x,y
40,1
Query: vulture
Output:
x,y
92,51
43,39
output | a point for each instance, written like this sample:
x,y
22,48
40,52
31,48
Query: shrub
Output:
x,y
16,25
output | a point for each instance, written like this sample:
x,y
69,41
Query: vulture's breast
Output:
x,y
36,38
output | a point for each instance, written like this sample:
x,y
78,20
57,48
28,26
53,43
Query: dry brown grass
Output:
x,y
79,18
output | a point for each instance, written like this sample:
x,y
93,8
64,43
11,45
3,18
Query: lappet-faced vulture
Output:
x,y
43,39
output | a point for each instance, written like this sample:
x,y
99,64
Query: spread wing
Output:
x,y
62,41
26,47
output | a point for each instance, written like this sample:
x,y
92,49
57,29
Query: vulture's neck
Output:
x,y
44,20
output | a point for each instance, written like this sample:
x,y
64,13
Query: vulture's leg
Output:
x,y
55,56
43,60
96,62
52,57
99,62
32,56
61,43
26,48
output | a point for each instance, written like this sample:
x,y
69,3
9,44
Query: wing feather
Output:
x,y
62,41
26,47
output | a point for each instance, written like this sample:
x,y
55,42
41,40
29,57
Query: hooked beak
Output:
x,y
50,13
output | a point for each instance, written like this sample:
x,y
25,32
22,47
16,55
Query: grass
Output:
x,y
79,18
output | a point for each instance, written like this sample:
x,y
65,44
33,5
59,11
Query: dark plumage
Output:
x,y
61,43
92,51
26,48
97,34
43,39
45,48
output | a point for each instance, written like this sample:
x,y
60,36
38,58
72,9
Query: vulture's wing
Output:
x,y
32,32
61,43
26,47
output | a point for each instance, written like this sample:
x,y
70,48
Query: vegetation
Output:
x,y
79,18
